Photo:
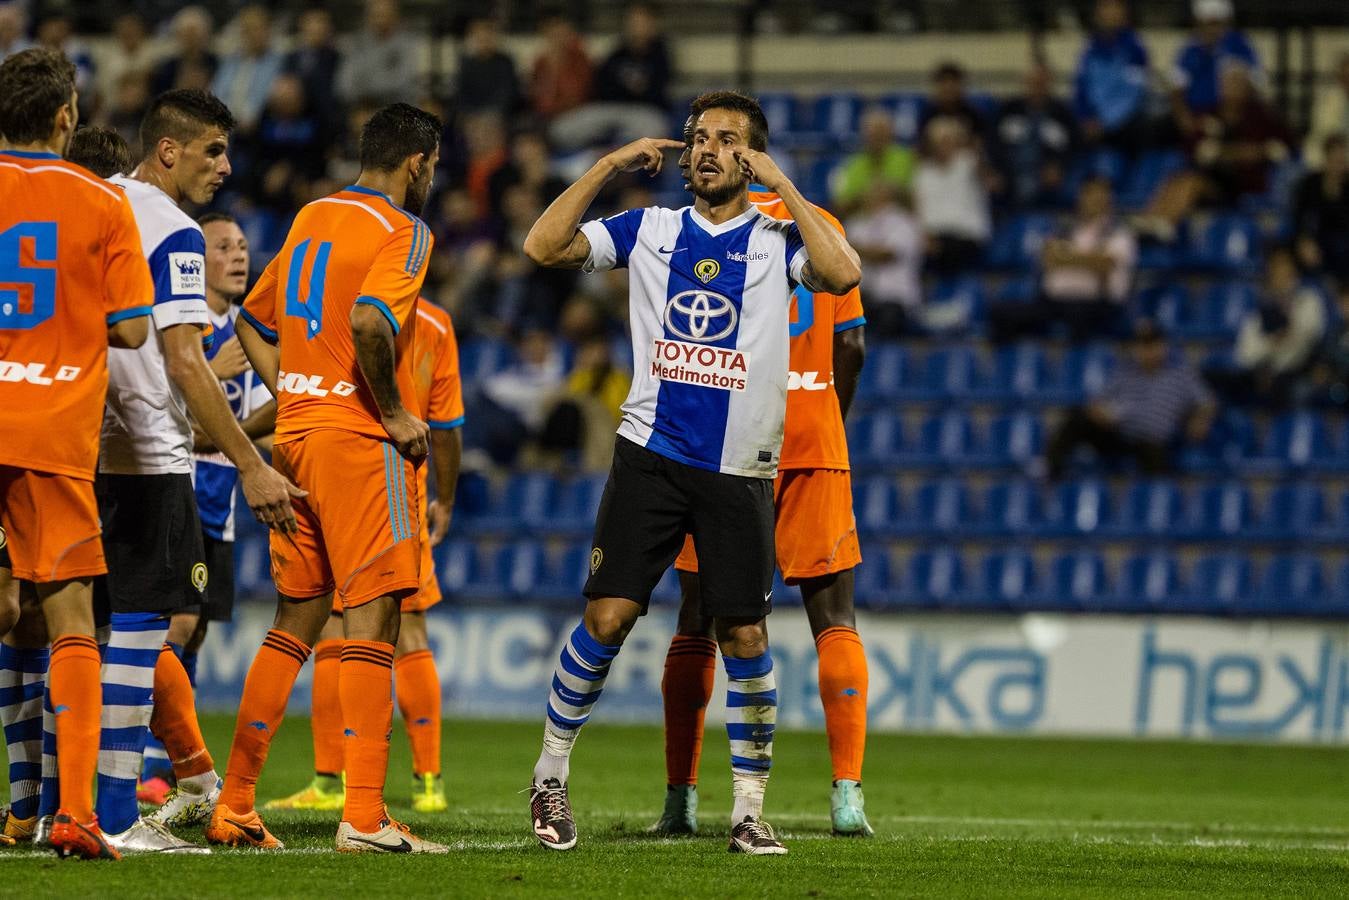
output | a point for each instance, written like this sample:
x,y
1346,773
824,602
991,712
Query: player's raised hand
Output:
x,y
438,520
643,153
759,166
409,434
268,493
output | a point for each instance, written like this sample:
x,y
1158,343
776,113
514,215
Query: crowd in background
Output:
x,y
917,211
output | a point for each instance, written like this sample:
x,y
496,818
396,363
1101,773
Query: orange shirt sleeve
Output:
x,y
395,279
128,289
446,406
259,308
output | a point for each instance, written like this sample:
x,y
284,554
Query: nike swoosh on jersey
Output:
x,y
401,847
668,252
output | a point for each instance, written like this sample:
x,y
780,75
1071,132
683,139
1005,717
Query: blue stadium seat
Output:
x,y
1149,582
1340,593
1294,512
945,440
565,574
1077,581
1217,586
780,109
835,116
965,294
577,500
1224,307
1017,242
471,571
1086,371
1229,444
884,374
1012,509
530,498
944,507
877,505
907,110
819,182
1079,509
1292,585
1220,512
950,373
1100,163
871,580
667,590
935,578
1230,243
1151,510
1020,373
1168,304
877,439
1147,174
1018,289
1014,439
1297,441
1007,581
481,357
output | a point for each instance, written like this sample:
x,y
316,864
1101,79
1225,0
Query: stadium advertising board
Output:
x,y
1036,674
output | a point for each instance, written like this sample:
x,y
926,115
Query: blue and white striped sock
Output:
x,y
23,678
190,666
128,696
578,682
50,798
751,716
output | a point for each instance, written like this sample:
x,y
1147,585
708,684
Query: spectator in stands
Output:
x,y
1330,115
512,406
584,414
290,134
1320,214
1328,383
487,80
951,199
882,159
56,31
1142,413
562,75
244,79
13,29
1278,341
1033,139
1085,275
315,60
127,105
889,242
631,89
949,100
383,63
1111,91
485,139
529,163
1195,78
192,64
130,52
1233,154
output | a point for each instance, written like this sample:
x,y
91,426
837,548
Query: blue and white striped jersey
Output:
x,y
709,308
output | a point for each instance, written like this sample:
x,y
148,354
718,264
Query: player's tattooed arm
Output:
x,y
850,351
374,341
555,240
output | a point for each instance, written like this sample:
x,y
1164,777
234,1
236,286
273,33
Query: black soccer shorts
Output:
x,y
152,541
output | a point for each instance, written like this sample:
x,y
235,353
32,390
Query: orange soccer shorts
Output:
x,y
52,525
816,533
359,526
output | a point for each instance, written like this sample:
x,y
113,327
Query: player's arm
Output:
x,y
447,448
373,336
850,351
266,490
833,267
263,355
129,333
556,240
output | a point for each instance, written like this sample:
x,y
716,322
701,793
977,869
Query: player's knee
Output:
x,y
182,626
609,620
743,640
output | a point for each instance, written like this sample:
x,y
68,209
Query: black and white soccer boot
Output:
x,y
755,837
553,823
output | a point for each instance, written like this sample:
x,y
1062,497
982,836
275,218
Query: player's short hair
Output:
x,y
736,102
396,132
182,114
100,150
215,215
34,85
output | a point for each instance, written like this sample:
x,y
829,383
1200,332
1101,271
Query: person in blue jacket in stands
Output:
x,y
1111,89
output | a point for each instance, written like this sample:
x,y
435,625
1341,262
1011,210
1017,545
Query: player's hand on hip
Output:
x,y
438,521
409,434
759,166
643,153
268,494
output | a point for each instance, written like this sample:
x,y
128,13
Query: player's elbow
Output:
x,y
129,334
843,278
368,324
537,250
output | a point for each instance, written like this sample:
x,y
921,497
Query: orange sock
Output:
x,y
261,709
327,708
417,685
366,686
843,691
690,669
77,699
174,719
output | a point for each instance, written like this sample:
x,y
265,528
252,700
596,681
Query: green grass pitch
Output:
x,y
954,817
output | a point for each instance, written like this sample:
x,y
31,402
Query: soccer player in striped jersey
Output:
x,y
74,284
698,447
816,546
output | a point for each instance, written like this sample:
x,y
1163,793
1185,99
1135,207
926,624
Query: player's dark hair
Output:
x,y
34,85
396,132
736,102
215,216
100,150
183,114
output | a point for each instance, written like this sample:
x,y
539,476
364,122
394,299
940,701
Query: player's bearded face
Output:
x,y
421,185
715,176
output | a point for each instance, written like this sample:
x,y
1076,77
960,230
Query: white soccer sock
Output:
x,y
748,791
555,760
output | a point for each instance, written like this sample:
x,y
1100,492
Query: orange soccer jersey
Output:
x,y
440,401
358,527
71,264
